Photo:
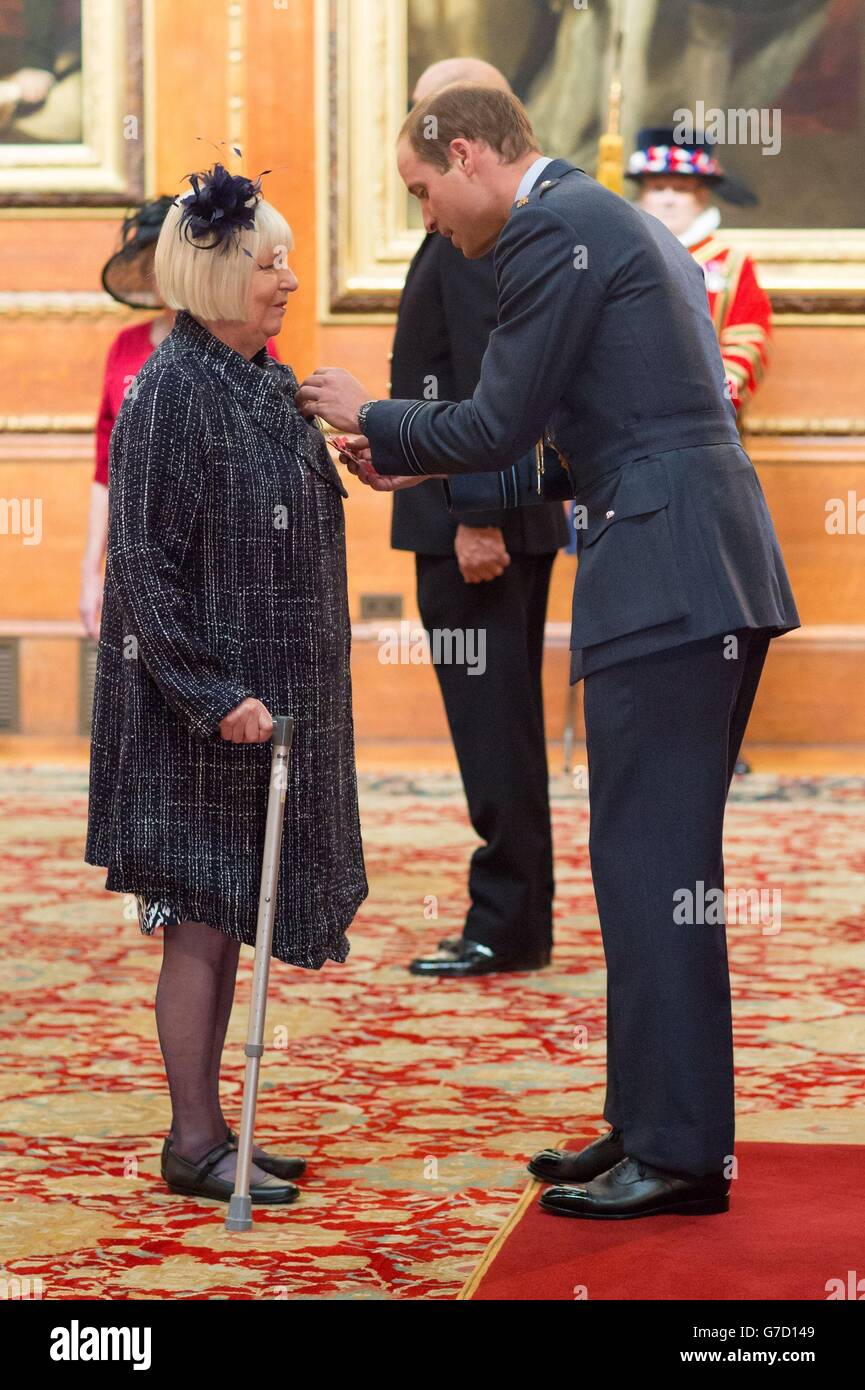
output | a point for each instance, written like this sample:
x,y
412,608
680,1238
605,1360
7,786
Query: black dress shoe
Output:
x,y
279,1167
197,1180
558,1165
471,958
633,1188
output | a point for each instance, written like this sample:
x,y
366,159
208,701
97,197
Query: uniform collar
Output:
x,y
545,170
531,176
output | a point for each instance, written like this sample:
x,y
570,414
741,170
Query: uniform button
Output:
x,y
610,514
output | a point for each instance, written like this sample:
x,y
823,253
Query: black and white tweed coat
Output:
x,y
225,577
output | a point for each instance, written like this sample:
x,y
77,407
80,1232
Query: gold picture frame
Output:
x,y
367,243
106,167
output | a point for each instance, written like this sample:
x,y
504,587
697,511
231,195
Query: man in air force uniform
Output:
x,y
605,348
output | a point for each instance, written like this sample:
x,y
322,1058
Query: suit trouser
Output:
x,y
496,722
663,734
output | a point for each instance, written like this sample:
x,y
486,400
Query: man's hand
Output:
x,y
356,454
249,722
334,394
481,553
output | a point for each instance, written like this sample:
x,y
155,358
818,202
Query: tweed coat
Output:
x,y
225,578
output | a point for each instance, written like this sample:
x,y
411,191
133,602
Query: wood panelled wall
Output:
x,y
808,444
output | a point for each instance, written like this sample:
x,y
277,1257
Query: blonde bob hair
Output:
x,y
215,284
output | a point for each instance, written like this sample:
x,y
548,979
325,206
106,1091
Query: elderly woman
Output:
x,y
128,277
225,602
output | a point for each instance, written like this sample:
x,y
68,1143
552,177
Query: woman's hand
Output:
x,y
250,722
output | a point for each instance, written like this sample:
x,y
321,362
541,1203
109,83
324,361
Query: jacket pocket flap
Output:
x,y
638,490
321,462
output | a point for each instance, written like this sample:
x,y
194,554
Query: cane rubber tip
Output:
x,y
239,1216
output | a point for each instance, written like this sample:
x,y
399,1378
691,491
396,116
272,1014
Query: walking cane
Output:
x,y
240,1206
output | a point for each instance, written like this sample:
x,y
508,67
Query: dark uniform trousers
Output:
x,y
663,735
497,725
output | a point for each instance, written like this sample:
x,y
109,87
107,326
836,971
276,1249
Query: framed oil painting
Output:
x,y
71,103
791,70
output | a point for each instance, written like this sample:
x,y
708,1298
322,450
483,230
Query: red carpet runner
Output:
x,y
795,1230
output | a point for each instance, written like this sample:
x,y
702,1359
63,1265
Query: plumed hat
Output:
x,y
658,152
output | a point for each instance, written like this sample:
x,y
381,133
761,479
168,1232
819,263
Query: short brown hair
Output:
x,y
468,111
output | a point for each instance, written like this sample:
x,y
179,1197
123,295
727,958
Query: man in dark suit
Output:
x,y
605,350
487,571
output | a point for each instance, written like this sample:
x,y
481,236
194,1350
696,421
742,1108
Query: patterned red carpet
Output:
x,y
415,1103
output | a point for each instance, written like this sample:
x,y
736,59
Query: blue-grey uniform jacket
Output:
x,y
605,346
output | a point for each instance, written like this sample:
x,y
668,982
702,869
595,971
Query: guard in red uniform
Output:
x,y
677,184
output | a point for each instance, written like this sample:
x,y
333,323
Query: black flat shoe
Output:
x,y
470,958
559,1165
279,1167
632,1188
197,1180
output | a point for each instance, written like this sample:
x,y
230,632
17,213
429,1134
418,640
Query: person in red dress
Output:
x,y
676,185
128,277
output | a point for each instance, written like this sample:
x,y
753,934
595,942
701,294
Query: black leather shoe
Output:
x,y
633,1188
279,1167
558,1165
197,1180
470,958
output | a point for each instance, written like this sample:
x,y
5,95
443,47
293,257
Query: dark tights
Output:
x,y
193,1005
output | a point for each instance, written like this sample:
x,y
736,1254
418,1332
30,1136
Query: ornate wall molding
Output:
x,y
47,424
235,80
63,303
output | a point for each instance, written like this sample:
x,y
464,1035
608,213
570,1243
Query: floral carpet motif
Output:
x,y
415,1102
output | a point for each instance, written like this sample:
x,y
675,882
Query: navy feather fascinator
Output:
x,y
220,206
